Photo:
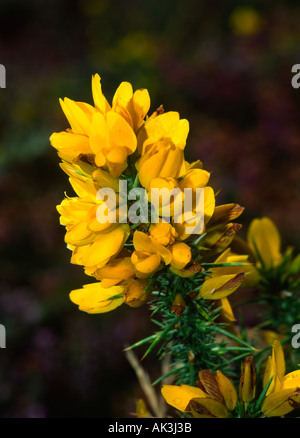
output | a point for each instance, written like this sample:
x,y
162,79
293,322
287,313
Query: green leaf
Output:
x,y
235,338
158,337
262,395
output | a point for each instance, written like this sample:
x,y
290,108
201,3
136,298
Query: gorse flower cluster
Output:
x,y
180,253
108,143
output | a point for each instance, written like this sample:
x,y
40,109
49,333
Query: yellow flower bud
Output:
x,y
248,380
164,233
181,255
178,306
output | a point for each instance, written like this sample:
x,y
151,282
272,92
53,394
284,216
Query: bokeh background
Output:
x,y
226,67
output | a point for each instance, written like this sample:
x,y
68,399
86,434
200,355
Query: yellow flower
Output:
x,y
103,135
161,142
164,195
283,394
194,178
227,312
248,380
163,232
116,271
136,293
183,226
225,213
163,126
215,397
178,305
111,139
93,243
264,241
181,255
102,249
216,288
225,280
133,107
219,237
93,298
275,367
149,255
163,160
246,268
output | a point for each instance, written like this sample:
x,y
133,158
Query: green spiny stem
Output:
x,y
195,338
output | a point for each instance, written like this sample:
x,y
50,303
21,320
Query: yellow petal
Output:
x,y
119,269
164,125
100,101
141,105
281,402
226,213
147,266
93,298
104,179
227,310
208,408
107,246
163,161
180,396
121,133
79,234
291,380
143,242
181,255
99,135
247,386
263,237
135,293
79,115
164,233
278,356
195,178
220,287
228,391
70,145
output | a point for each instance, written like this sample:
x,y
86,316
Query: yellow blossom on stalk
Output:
x,y
115,249
100,134
163,232
149,255
132,106
111,140
161,143
93,298
215,396
283,394
181,255
183,226
264,241
223,281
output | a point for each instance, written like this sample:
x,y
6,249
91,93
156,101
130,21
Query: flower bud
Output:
x,y
178,306
247,380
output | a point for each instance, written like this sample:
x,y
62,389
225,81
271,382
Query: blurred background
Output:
x,y
226,67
